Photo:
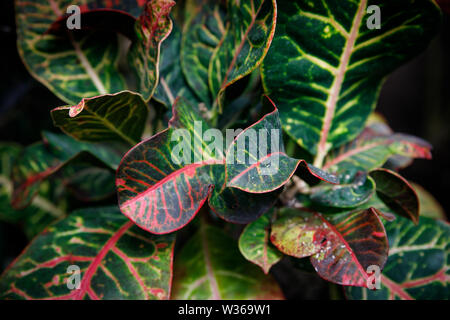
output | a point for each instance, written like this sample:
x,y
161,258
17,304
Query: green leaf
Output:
x,y
92,55
345,195
210,266
40,160
396,193
164,181
115,117
417,267
172,83
151,29
337,244
87,182
237,206
202,32
256,161
373,147
44,208
117,260
429,206
247,38
325,67
255,245
108,153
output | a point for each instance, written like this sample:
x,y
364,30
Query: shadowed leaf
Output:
x,y
210,266
87,182
40,160
202,33
396,193
44,208
172,83
237,206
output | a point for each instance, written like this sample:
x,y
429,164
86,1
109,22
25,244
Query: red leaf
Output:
x,y
341,246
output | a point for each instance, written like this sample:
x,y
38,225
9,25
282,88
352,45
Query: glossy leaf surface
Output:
x,y
255,245
115,117
345,195
117,260
247,38
92,55
325,67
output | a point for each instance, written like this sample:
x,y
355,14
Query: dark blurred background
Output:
x,y
415,100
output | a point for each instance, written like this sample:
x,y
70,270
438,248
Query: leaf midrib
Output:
x,y
335,89
81,56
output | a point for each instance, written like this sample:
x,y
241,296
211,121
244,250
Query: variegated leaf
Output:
x,y
88,182
44,208
418,263
92,55
255,245
373,147
256,161
40,160
172,83
164,181
202,33
338,244
445,5
396,193
247,38
347,194
116,259
325,67
151,29
210,266
115,117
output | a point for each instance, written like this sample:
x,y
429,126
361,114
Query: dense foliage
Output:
x,y
141,77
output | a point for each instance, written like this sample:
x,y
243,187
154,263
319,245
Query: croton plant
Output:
x,y
168,208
